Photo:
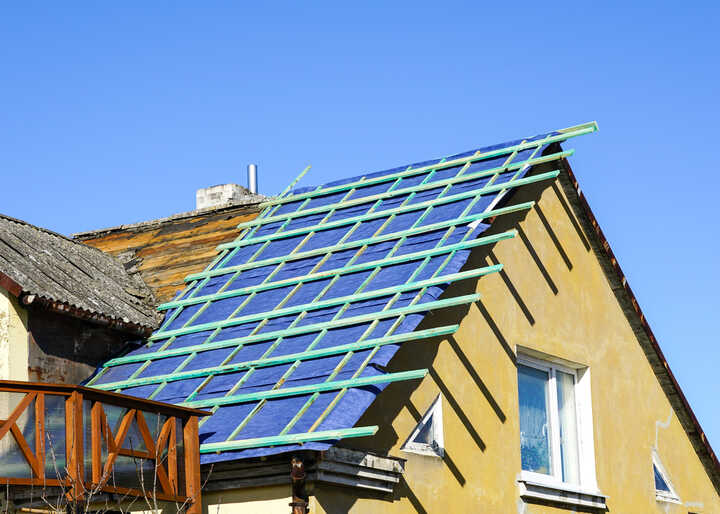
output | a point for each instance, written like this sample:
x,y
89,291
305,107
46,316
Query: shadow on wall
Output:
x,y
396,396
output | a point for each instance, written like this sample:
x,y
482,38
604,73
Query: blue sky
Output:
x,y
117,112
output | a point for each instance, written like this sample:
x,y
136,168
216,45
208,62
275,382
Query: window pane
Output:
x,y
660,484
534,432
568,426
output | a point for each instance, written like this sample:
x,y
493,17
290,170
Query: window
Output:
x,y
664,490
427,438
556,436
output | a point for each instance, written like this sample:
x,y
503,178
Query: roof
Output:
x,y
46,268
165,251
286,334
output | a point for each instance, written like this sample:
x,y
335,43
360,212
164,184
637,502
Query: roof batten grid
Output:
x,y
283,359
358,292
240,307
344,270
374,239
323,331
262,323
230,322
420,293
412,189
295,391
286,332
563,135
222,259
381,214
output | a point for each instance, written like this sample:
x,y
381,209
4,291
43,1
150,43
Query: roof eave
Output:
x,y
28,298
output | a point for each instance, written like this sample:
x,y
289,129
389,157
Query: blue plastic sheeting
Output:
x,y
270,418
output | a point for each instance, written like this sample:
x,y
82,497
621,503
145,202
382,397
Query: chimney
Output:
x,y
223,195
252,178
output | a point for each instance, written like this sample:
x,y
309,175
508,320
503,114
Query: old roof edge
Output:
x,y
342,467
151,224
645,335
28,298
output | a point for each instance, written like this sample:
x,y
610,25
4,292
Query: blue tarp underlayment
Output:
x,y
250,419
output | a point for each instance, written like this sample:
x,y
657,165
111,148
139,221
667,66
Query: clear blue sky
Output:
x,y
116,112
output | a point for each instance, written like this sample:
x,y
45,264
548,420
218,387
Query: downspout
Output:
x,y
300,498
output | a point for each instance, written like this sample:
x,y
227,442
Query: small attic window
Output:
x,y
427,438
664,490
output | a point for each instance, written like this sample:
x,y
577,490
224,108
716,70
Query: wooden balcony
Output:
x,y
85,445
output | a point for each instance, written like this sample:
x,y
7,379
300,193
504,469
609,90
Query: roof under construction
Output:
x,y
286,334
49,269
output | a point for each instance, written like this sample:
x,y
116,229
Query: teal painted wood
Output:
x,y
325,435
307,389
407,190
343,270
420,335
564,135
305,329
288,188
461,220
398,210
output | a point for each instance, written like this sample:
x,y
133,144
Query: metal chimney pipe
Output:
x,y
252,178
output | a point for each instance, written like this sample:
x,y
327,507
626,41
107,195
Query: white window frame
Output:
x,y
431,450
583,410
663,496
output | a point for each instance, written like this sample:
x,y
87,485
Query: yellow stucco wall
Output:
x,y
552,297
260,500
13,338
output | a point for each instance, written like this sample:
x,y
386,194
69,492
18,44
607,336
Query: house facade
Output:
x,y
450,336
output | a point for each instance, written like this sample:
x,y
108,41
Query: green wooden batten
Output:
x,y
420,335
407,190
323,435
397,210
307,389
304,329
564,134
463,220
344,270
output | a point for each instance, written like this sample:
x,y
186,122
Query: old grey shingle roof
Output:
x,y
82,279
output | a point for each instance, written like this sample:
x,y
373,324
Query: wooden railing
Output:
x,y
85,442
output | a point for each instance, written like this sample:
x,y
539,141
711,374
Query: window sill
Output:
x,y
560,493
661,497
426,450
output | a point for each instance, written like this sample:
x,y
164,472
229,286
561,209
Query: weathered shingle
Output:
x,y
82,279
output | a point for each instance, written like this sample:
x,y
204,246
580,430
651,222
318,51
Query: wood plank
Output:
x,y
192,466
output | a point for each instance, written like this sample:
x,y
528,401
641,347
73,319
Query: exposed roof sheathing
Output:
x,y
165,251
285,336
49,269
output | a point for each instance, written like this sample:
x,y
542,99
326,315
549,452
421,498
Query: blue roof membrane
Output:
x,y
273,417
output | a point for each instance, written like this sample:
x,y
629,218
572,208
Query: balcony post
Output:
x,y
192,465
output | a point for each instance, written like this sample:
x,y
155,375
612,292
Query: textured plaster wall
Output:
x,y
261,500
13,347
13,339
552,297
